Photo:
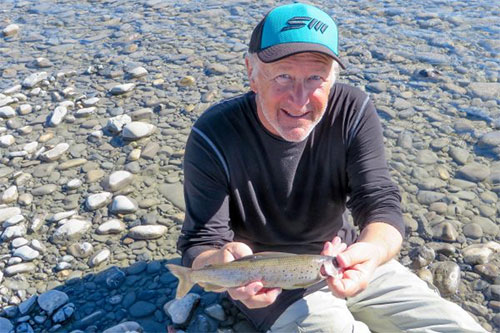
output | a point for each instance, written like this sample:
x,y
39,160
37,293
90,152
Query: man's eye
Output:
x,y
315,78
283,78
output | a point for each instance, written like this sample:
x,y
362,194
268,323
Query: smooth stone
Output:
x,y
141,309
85,112
180,309
118,180
431,183
24,109
73,184
61,216
10,195
18,242
43,62
52,300
216,311
459,155
71,230
122,88
98,200
473,172
175,194
426,157
489,227
16,219
58,116
81,250
44,189
37,245
19,268
137,72
477,254
137,130
31,147
14,232
187,81
9,31
8,212
485,90
26,253
123,205
113,226
7,112
7,140
490,271
127,326
147,231
5,325
446,277
34,79
90,101
489,140
95,175
55,153
116,124
472,230
445,231
99,257
115,278
64,313
72,163
27,305
428,197
150,151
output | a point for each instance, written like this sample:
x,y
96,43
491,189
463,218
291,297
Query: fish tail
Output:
x,y
184,276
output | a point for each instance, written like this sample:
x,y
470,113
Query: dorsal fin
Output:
x,y
265,255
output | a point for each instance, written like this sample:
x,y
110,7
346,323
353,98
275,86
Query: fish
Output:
x,y
273,269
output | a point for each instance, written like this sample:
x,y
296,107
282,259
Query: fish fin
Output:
x,y
183,274
210,286
304,285
266,254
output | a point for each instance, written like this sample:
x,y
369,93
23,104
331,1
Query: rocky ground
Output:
x,y
96,103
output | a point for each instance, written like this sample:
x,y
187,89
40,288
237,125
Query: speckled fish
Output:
x,y
274,269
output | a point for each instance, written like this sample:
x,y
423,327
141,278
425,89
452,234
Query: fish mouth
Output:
x,y
330,269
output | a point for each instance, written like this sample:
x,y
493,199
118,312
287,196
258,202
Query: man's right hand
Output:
x,y
253,295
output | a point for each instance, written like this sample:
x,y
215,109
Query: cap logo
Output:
x,y
298,22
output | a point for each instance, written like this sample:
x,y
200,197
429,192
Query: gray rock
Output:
x,y
72,230
52,300
137,130
180,309
489,140
446,277
7,112
81,250
55,153
14,231
34,79
122,88
5,325
216,311
488,226
127,326
8,212
477,254
62,215
142,309
123,205
175,194
58,116
26,306
7,140
473,172
147,231
19,268
445,231
26,253
98,200
10,195
64,313
24,328
113,226
18,242
118,180
44,189
459,155
428,197
115,124
485,90
9,31
137,72
472,230
115,279
99,257
426,157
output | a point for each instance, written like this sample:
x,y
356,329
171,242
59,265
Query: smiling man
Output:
x,y
275,170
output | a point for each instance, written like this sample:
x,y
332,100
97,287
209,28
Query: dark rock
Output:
x,y
115,279
141,309
137,268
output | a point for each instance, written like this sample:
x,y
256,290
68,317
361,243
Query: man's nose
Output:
x,y
300,95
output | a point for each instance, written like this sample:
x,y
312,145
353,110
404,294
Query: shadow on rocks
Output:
x,y
119,299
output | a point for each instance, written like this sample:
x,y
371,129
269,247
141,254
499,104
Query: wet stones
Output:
x,y
122,89
113,226
147,231
34,79
52,300
19,268
137,130
81,250
180,309
123,205
446,277
127,326
7,112
55,153
473,172
57,116
71,230
118,180
99,257
98,200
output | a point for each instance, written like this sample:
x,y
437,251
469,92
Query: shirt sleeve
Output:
x,y
373,196
206,192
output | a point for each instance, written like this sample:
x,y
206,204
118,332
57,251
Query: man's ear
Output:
x,y
250,70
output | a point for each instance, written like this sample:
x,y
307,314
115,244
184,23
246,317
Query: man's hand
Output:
x,y
378,243
253,295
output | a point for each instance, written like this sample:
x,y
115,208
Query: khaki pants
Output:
x,y
396,300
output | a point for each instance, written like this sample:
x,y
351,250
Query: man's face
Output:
x,y
292,93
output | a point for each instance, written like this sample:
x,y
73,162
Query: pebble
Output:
x,y
18,242
147,232
115,124
58,116
64,313
44,189
10,195
8,212
81,250
137,72
113,226
118,180
7,112
127,326
14,232
72,230
26,253
73,184
62,215
216,311
136,130
487,225
99,257
19,268
98,200
122,89
459,155
473,172
26,306
477,254
5,325
180,309
52,300
141,309
446,277
34,79
10,30
123,205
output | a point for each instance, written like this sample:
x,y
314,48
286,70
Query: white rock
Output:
x,y
14,231
31,147
52,300
474,255
81,250
134,155
14,261
12,90
10,195
113,226
71,230
26,253
62,215
1,276
180,309
90,101
74,184
115,124
85,112
123,205
147,231
16,219
138,72
118,180
37,222
98,200
122,88
55,153
7,140
37,245
25,199
8,212
18,242
34,79
126,326
99,257
10,30
6,101
58,115
7,112
67,104
136,130
20,268
24,109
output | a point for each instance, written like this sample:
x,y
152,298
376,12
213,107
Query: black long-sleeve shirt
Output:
x,y
243,183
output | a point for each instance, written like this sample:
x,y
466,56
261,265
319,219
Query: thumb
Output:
x,y
353,255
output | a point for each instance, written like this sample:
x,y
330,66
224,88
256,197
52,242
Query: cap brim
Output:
x,y
280,51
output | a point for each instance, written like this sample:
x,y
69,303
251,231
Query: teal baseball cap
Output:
x,y
295,28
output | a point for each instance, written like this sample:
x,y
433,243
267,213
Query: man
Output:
x,y
275,169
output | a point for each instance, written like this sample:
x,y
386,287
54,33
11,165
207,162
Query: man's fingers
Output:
x,y
253,295
334,247
245,292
